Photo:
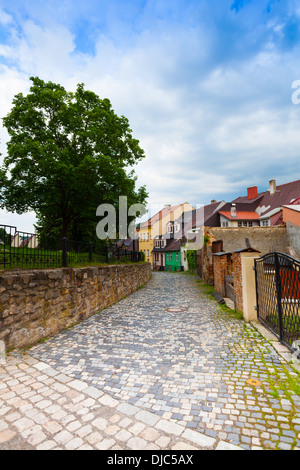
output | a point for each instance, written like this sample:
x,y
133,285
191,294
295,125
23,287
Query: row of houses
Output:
x,y
163,237
22,241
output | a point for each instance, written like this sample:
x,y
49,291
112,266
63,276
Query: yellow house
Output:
x,y
157,225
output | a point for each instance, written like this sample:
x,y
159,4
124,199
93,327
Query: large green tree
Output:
x,y
67,154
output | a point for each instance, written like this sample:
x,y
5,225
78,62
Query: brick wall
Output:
x,y
231,264
39,303
263,239
220,263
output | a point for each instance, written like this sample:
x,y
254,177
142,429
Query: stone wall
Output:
x,y
39,303
293,233
238,281
263,239
205,268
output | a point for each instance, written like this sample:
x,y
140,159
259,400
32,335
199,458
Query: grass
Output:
x,y
32,258
208,290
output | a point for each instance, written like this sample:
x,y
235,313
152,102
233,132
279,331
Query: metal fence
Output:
x,y
29,250
278,296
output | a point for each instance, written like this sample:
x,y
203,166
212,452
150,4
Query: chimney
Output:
x,y
272,187
213,201
252,192
233,210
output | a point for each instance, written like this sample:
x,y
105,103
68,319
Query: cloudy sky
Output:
x,y
205,84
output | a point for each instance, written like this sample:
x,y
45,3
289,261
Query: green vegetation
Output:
x,y
32,258
192,259
68,153
208,290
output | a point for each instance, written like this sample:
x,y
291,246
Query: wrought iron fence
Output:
x,y
278,296
29,250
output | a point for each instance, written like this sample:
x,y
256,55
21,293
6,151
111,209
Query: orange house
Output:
x,y
291,214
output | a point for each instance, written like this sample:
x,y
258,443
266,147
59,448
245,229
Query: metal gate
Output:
x,y
278,296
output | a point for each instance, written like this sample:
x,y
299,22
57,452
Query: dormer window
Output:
x,y
162,243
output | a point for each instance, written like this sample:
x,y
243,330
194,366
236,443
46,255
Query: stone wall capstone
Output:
x,y
36,304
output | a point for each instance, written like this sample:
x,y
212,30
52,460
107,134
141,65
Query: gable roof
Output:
x,y
245,215
265,202
205,215
174,245
161,215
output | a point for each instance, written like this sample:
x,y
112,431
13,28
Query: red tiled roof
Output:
x,y
284,195
240,215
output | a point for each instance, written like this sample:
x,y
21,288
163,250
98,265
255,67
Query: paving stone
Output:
x,y
46,445
105,444
136,443
147,417
63,437
6,435
198,438
170,427
183,446
127,409
168,379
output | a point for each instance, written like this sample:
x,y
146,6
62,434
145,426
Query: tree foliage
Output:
x,y
68,153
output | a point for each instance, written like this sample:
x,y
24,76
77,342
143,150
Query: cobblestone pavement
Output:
x,y
163,369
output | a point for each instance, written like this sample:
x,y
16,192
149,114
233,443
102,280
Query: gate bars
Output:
x,y
278,296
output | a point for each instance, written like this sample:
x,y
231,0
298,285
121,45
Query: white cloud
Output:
x,y
208,126
5,19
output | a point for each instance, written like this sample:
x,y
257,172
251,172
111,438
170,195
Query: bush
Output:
x,y
192,260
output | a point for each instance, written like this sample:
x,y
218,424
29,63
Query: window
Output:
x,y
147,253
147,236
224,224
176,256
245,224
264,223
170,256
162,243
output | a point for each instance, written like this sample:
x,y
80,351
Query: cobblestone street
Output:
x,y
165,368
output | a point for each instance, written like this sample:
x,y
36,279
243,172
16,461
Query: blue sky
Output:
x,y
205,84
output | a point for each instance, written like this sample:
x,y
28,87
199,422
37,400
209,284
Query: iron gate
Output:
x,y
278,296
